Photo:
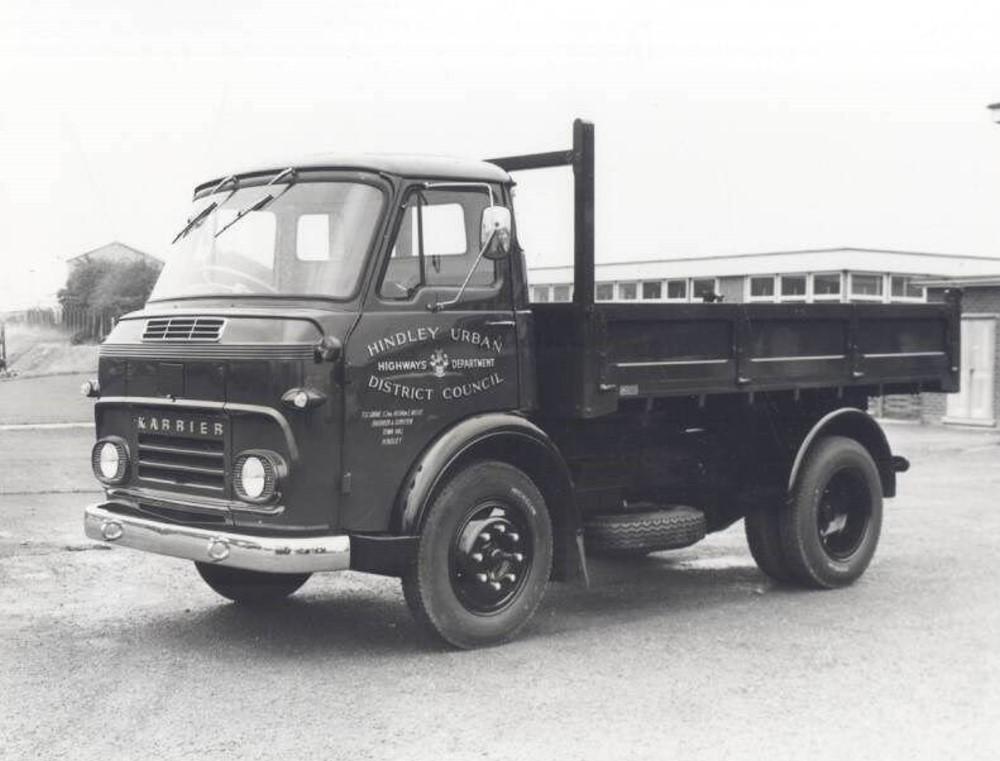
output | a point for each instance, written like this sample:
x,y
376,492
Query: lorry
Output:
x,y
340,369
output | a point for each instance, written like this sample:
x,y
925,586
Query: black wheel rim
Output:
x,y
491,556
845,509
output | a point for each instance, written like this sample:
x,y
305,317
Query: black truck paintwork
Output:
x,y
710,405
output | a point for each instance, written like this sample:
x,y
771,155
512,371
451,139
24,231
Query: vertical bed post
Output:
x,y
583,213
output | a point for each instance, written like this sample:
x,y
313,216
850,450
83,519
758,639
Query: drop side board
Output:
x,y
590,357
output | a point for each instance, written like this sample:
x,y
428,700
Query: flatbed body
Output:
x,y
604,352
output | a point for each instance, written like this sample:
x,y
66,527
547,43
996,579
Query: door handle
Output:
x,y
501,323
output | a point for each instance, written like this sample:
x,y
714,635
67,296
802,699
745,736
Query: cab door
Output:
x,y
415,367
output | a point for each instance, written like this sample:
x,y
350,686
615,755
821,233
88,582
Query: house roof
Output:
x,y
776,262
113,247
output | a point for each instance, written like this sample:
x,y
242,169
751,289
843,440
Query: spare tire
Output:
x,y
642,532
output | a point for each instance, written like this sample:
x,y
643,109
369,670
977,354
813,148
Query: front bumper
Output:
x,y
253,553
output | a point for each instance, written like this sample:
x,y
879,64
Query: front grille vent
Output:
x,y
198,464
183,329
181,514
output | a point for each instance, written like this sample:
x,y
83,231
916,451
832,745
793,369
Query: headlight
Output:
x,y
109,459
256,476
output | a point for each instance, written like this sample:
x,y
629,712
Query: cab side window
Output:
x,y
437,243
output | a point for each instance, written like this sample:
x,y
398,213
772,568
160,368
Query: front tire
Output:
x,y
250,587
483,558
831,527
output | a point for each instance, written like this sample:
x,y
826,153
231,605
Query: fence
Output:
x,y
88,324
85,325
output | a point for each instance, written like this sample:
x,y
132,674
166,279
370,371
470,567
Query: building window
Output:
x,y
826,286
628,291
562,292
540,293
793,287
866,287
605,291
762,288
677,290
702,287
652,290
903,288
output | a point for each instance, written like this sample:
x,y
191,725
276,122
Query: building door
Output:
x,y
974,403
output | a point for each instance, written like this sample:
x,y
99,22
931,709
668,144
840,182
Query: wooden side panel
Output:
x,y
590,358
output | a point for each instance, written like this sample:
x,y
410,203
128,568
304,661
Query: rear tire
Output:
x,y
830,529
483,557
764,539
250,587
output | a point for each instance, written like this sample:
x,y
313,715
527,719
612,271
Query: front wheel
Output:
x,y
830,529
251,587
483,557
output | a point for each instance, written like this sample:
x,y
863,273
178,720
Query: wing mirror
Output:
x,y
494,236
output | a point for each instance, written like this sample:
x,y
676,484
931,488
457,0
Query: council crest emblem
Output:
x,y
439,363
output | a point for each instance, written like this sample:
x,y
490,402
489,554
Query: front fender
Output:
x,y
509,438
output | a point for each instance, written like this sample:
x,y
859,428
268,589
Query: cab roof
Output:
x,y
403,165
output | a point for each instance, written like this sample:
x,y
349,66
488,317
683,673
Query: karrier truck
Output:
x,y
340,368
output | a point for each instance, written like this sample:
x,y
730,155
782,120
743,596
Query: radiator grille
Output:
x,y
183,329
192,463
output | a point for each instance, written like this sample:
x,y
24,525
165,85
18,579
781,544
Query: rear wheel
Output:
x,y
483,557
251,587
831,527
764,539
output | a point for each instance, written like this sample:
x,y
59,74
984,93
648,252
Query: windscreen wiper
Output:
x,y
200,216
260,203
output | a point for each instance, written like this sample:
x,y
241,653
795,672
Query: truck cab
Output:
x,y
339,369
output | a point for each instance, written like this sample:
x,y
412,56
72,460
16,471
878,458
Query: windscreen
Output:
x,y
311,239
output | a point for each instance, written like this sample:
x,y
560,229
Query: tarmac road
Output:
x,y
693,654
51,399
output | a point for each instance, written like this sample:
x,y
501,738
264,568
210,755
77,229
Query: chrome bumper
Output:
x,y
253,553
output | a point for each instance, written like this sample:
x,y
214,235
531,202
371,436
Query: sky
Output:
x,y
721,126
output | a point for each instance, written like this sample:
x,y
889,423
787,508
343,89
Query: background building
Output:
x,y
812,275
979,399
114,252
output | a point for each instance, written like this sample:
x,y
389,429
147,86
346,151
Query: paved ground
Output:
x,y
113,654
46,350
51,399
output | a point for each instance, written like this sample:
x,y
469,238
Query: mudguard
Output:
x,y
857,425
508,438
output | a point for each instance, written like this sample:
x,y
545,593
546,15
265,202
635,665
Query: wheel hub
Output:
x,y
491,557
843,515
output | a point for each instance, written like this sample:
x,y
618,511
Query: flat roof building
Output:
x,y
809,275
